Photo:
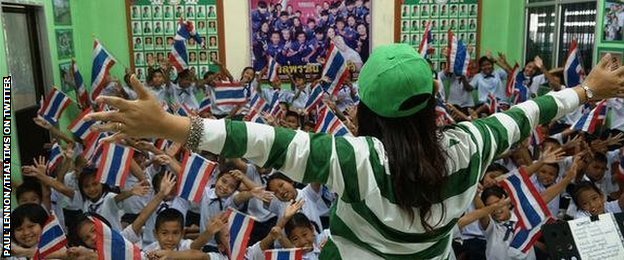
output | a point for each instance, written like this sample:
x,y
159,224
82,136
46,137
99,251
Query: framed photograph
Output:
x,y
158,28
67,81
159,43
612,28
405,11
617,54
415,12
62,12
64,43
200,12
146,12
157,12
405,38
135,13
212,12
137,44
189,12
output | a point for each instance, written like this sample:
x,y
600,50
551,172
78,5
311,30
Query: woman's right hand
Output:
x,y
605,82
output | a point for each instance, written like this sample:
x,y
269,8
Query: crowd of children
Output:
x,y
576,173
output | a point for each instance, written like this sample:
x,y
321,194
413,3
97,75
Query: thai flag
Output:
x,y
443,115
524,239
315,97
573,72
335,69
329,123
284,254
186,30
55,158
529,207
52,238
521,92
512,79
205,106
427,41
178,56
115,164
492,103
82,128
92,149
458,57
102,63
53,106
229,94
111,245
184,110
82,96
537,137
162,144
276,110
241,226
591,121
272,68
257,105
195,174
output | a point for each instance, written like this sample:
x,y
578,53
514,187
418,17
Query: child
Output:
x,y
27,223
291,120
158,84
591,201
184,91
489,80
30,191
285,191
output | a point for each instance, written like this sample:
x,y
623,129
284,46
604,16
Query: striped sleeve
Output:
x,y
304,157
501,130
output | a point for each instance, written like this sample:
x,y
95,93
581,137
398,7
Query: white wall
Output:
x,y
237,32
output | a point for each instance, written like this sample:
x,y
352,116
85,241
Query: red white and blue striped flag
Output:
x,y
512,78
335,70
114,166
55,158
241,226
573,73
82,95
443,116
53,106
102,63
194,176
52,238
184,110
272,68
492,104
458,56
329,123
315,97
590,122
257,105
93,147
178,55
80,127
205,105
284,254
276,110
230,93
111,245
427,41
162,144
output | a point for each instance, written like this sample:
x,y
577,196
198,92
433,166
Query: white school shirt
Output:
x,y
185,244
129,234
135,204
75,203
254,252
609,207
209,208
472,230
457,94
538,81
553,205
325,197
184,96
343,99
309,208
300,101
256,207
497,248
107,208
160,92
490,85
177,203
57,199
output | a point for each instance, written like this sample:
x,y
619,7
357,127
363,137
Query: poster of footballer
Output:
x,y
295,36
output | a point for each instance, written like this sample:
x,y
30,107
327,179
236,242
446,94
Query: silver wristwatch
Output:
x,y
588,92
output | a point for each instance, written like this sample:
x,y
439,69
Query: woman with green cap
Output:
x,y
403,183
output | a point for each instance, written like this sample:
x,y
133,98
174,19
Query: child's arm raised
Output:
x,y
55,132
38,171
482,214
139,189
216,224
166,185
554,190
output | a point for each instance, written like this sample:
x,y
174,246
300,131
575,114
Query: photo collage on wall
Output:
x,y
459,16
153,25
64,41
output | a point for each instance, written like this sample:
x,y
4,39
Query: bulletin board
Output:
x,y
152,24
462,16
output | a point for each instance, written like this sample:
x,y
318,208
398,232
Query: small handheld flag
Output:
x,y
590,122
492,104
241,226
443,115
114,167
272,68
52,238
82,96
53,106
55,158
427,40
257,105
102,63
205,105
284,254
512,80
315,97
329,123
229,94
111,245
194,176
80,127
458,56
573,73
335,70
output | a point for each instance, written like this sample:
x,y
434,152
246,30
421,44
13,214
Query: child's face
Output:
x,y
169,234
501,214
92,188
547,175
302,237
530,69
591,201
291,122
596,170
29,197
301,38
86,233
248,74
27,235
487,67
284,191
225,186
158,79
275,38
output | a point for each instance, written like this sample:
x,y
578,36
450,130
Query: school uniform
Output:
x,y
129,234
210,207
177,203
258,18
301,50
490,84
298,98
72,207
344,98
309,208
281,25
473,239
616,110
609,207
254,252
160,92
457,95
107,207
324,204
132,206
553,205
185,244
185,96
266,217
499,236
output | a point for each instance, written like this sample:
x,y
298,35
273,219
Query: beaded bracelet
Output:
x,y
195,133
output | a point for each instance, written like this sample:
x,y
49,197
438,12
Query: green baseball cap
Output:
x,y
395,81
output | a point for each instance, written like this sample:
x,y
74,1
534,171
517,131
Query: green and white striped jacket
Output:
x,y
366,222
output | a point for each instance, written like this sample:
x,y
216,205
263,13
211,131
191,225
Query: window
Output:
x,y
553,24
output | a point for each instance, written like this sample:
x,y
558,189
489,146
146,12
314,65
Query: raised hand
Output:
x,y
293,208
552,155
42,123
141,188
167,183
262,194
162,159
614,140
217,223
237,175
538,62
37,170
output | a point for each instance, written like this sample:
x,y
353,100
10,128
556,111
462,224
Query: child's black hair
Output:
x,y
86,173
33,212
79,222
324,13
151,72
208,74
484,59
29,184
554,165
293,114
168,215
497,167
583,186
262,4
600,157
185,74
283,13
278,176
495,191
299,220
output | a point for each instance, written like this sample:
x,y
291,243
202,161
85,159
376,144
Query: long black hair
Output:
x,y
416,159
